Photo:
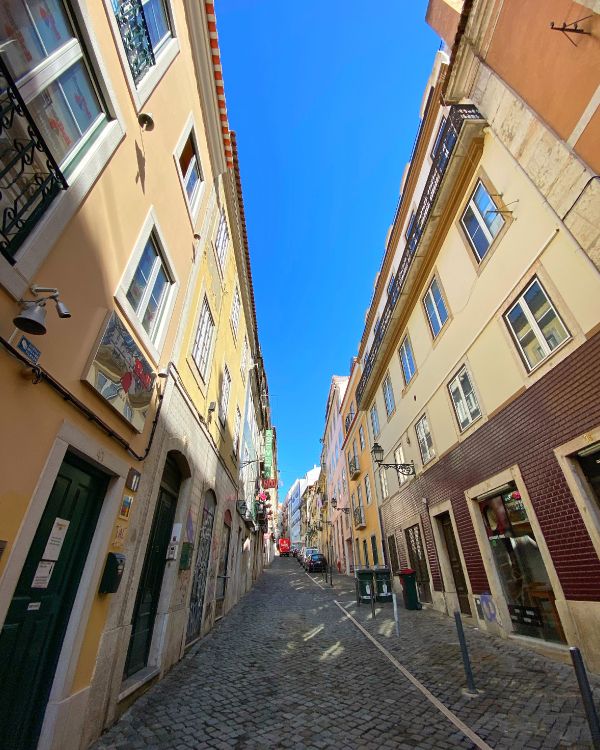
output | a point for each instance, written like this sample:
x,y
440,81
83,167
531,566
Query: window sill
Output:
x,y
17,279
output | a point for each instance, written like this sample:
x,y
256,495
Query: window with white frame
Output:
x,y
481,221
383,484
359,496
225,393
149,288
222,240
203,338
367,489
236,431
235,311
407,360
244,360
464,399
191,174
361,437
399,459
436,307
61,96
145,28
535,325
388,396
374,420
425,440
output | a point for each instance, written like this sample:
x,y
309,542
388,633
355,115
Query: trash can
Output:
x,y
364,580
408,577
383,584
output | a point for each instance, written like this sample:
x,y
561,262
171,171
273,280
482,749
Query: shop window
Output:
x,y
464,399
535,325
437,314
520,567
481,221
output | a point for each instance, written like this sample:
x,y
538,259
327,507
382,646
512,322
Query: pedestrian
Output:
x,y
339,566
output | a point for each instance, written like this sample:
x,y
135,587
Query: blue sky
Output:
x,y
324,98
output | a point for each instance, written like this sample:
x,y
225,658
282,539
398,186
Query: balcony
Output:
x,y
30,178
354,467
459,114
359,517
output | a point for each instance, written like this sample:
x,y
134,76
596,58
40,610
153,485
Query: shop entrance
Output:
x,y
37,619
523,575
418,561
146,603
460,584
590,465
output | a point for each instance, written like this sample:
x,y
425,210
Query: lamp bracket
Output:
x,y
406,469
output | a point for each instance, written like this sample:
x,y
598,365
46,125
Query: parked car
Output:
x,y
316,563
306,556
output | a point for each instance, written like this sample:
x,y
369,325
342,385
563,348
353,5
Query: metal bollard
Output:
x,y
395,603
465,655
357,588
586,696
373,597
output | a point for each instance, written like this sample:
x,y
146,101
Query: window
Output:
x,y
225,393
481,221
149,288
374,420
359,496
374,551
425,440
367,489
393,550
361,437
191,174
535,325
366,553
383,483
438,138
436,309
145,28
388,396
222,240
244,361
235,311
399,459
464,399
407,360
353,502
345,481
236,431
203,339
61,96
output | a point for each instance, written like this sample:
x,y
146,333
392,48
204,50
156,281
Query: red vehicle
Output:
x,y
284,546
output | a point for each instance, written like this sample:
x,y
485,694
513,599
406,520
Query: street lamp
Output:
x,y
334,506
377,454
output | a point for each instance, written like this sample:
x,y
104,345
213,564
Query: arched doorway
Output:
x,y
146,603
194,625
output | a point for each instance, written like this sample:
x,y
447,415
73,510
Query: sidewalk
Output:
x,y
526,701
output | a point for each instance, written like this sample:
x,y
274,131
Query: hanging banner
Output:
x,y
268,462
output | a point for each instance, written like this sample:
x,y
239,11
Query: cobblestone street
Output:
x,y
314,680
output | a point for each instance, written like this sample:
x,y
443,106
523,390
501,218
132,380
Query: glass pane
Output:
x,y
439,302
77,89
469,394
531,347
459,405
475,232
51,23
55,121
155,303
488,210
192,180
431,312
157,21
139,282
549,323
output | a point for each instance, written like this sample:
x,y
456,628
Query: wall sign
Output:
x,y
56,539
121,374
125,508
25,346
42,576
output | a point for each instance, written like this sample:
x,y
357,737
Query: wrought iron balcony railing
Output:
x,y
447,141
136,37
30,178
359,517
354,467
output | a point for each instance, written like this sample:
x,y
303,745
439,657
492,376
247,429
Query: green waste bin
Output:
x,y
383,584
409,588
364,584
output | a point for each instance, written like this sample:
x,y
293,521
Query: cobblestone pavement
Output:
x,y
287,669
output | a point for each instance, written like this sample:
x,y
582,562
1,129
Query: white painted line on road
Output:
x,y
314,580
469,733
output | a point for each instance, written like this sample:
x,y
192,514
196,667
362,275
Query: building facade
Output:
x,y
123,537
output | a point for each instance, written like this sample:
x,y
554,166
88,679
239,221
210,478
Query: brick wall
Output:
x,y
561,406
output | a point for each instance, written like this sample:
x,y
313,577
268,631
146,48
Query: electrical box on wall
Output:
x,y
113,572
172,551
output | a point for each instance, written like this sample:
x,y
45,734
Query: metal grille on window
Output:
x,y
135,35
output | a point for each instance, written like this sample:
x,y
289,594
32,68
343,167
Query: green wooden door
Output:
x,y
146,603
34,629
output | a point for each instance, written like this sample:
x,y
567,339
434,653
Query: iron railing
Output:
x,y
454,122
136,37
359,517
30,177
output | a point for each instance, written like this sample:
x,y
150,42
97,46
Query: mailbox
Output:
x,y
113,572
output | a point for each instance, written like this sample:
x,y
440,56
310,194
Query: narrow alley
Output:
x,y
316,681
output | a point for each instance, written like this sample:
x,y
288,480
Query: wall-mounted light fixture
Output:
x,y
334,506
146,121
377,454
32,318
